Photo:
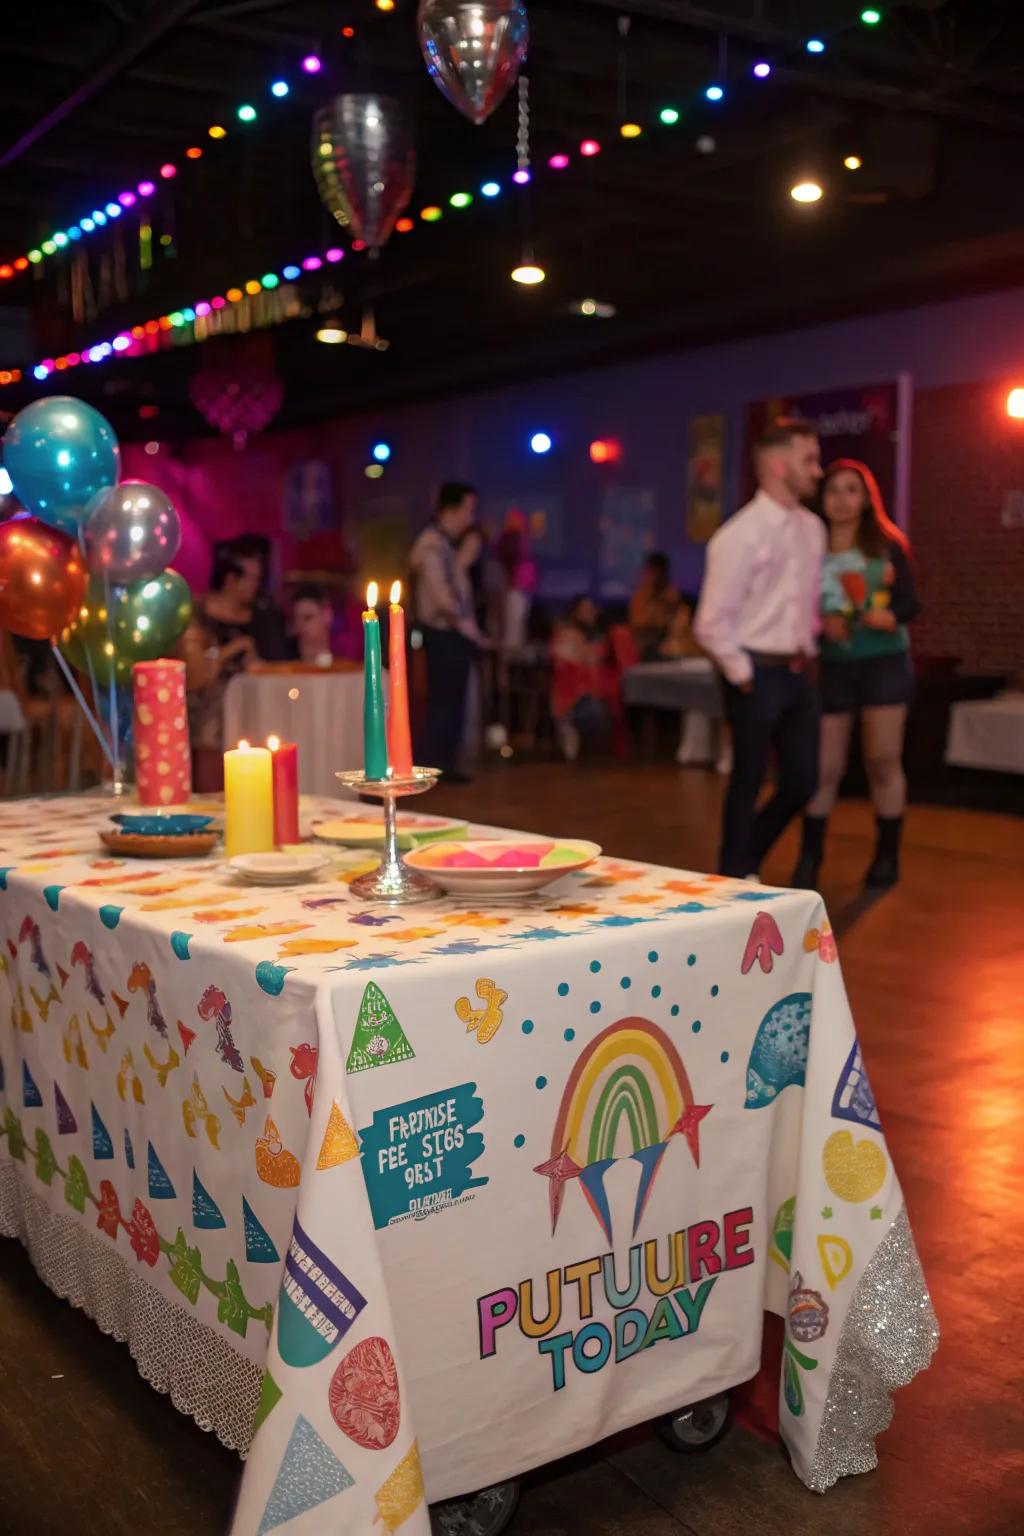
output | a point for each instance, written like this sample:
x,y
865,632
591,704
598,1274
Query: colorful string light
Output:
x,y
527,273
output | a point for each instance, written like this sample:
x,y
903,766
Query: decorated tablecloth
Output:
x,y
321,712
430,1198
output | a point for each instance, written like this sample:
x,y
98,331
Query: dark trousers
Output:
x,y
782,710
450,658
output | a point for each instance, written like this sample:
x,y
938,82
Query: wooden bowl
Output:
x,y
134,847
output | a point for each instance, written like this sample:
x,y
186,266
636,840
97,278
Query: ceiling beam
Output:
x,y
929,93
161,20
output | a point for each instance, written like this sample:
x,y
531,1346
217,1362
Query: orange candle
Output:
x,y
285,773
399,735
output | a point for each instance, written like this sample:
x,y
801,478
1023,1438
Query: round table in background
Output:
x,y
322,712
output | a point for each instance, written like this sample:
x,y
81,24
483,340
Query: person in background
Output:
x,y
868,599
758,620
469,576
441,609
679,641
267,626
582,680
313,625
217,644
513,580
652,605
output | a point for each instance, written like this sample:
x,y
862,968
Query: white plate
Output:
x,y
279,868
490,879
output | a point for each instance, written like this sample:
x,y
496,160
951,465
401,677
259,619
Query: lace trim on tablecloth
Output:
x,y
889,1334
174,1352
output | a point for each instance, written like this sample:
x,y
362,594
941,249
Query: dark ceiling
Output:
x,y
686,245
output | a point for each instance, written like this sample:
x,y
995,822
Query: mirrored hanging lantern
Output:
x,y
474,49
364,163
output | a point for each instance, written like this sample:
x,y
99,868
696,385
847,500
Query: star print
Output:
x,y
826,1212
688,1125
876,1213
620,920
558,1170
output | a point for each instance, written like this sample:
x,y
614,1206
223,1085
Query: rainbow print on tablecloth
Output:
x,y
627,1096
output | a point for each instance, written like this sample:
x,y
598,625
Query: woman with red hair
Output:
x,y
868,598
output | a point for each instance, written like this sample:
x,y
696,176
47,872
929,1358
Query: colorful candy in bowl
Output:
x,y
501,866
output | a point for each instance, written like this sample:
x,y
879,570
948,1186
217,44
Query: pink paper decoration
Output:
x,y
163,754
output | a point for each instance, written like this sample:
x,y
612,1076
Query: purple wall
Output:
x,y
646,405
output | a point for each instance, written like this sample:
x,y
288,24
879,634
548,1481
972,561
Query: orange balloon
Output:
x,y
42,578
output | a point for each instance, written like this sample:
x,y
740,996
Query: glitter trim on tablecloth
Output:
x,y
175,1353
889,1334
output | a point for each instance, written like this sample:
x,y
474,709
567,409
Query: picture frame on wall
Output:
x,y
705,476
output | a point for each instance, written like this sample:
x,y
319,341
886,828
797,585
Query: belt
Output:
x,y
796,661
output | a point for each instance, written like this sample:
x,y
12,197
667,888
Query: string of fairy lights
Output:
x,y
145,336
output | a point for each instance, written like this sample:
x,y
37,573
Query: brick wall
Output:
x,y
967,455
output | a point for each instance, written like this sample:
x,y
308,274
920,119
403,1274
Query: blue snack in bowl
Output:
x,y
180,824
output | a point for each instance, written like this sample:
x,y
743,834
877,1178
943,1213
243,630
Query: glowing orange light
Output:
x,y
6,270
404,225
152,326
605,450
235,295
1015,404
21,265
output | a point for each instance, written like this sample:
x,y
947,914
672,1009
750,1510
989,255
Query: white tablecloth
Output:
x,y
468,1190
987,733
689,683
322,715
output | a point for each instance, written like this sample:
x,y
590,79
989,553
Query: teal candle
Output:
x,y
375,743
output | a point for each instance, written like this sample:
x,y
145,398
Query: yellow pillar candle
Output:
x,y
248,800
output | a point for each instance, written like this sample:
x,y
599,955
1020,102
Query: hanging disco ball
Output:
x,y
364,163
474,49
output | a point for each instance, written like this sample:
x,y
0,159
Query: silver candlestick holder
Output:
x,y
392,882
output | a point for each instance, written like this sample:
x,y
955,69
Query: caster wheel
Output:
x,y
478,1514
698,1427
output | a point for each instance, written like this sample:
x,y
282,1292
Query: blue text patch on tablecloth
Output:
x,y
418,1157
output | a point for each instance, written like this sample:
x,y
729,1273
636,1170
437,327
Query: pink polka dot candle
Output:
x,y
163,753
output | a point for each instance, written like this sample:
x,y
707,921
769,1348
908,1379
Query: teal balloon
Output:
x,y
59,452
120,625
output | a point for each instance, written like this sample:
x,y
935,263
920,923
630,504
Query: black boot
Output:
x,y
812,848
885,866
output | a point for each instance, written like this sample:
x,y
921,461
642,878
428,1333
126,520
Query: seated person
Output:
x,y
679,640
583,688
312,626
652,605
251,551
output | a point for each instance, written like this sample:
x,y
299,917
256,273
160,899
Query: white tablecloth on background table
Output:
x,y
322,714
987,733
465,1190
689,683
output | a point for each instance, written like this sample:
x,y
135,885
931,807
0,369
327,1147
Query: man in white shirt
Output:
x,y
440,608
758,620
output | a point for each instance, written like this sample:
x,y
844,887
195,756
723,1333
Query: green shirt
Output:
x,y
853,584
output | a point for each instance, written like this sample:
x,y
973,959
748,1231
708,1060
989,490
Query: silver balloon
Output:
x,y
364,163
131,532
474,50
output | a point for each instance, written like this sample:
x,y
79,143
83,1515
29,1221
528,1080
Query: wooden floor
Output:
x,y
935,973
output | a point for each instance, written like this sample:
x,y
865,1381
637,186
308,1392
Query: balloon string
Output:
x,y
115,725
94,724
93,685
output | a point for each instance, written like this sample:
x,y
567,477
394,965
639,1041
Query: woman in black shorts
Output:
x,y
868,598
